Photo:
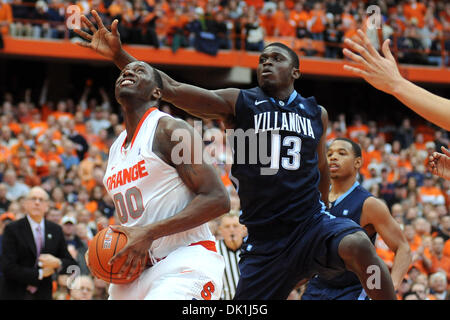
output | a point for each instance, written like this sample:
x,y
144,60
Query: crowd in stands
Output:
x,y
419,29
63,146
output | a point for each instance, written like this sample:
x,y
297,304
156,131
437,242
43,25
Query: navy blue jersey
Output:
x,y
349,205
275,167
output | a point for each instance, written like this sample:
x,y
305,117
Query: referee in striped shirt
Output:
x,y
230,237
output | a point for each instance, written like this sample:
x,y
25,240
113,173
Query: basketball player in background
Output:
x,y
349,200
383,73
163,206
291,237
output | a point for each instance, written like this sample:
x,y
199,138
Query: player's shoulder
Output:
x,y
168,124
312,106
251,94
118,141
375,206
363,191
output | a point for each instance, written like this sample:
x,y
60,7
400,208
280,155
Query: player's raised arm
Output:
x,y
202,103
324,183
382,73
377,214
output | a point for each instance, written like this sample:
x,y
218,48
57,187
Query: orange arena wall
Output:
x,y
190,57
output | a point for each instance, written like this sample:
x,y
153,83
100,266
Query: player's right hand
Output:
x,y
105,42
136,249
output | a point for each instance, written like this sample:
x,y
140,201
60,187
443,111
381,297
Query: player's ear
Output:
x,y
358,163
295,73
156,93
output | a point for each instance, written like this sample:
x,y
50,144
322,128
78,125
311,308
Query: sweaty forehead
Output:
x,y
136,64
274,50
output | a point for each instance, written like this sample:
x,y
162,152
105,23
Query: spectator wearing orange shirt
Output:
x,y
37,126
415,10
45,154
430,193
357,128
347,18
268,22
5,154
419,142
177,35
61,112
6,17
413,239
317,22
285,27
300,15
420,253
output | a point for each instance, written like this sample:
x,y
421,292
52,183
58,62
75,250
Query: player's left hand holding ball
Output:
x,y
86,255
136,249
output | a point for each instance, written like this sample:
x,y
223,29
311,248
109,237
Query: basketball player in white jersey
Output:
x,y
163,207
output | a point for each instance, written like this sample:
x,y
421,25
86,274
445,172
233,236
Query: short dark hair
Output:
x,y
156,75
355,147
294,58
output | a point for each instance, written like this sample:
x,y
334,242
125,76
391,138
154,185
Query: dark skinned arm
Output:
x,y
211,198
202,103
324,183
376,214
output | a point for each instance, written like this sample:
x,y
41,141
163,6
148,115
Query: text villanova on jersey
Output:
x,y
258,145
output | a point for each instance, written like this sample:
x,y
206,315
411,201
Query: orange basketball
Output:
x,y
102,248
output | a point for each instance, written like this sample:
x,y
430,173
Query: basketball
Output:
x,y
102,248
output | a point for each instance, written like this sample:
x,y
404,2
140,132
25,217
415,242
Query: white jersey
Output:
x,y
145,189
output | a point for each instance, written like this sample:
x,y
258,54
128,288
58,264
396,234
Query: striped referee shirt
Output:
x,y
231,274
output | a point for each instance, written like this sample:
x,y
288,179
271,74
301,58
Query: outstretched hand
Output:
x,y
381,72
105,42
439,163
136,249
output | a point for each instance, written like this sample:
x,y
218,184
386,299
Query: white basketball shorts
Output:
x,y
187,273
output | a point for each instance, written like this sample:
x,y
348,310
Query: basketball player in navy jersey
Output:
x,y
348,199
291,236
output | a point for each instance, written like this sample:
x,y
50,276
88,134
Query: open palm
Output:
x,y
105,42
